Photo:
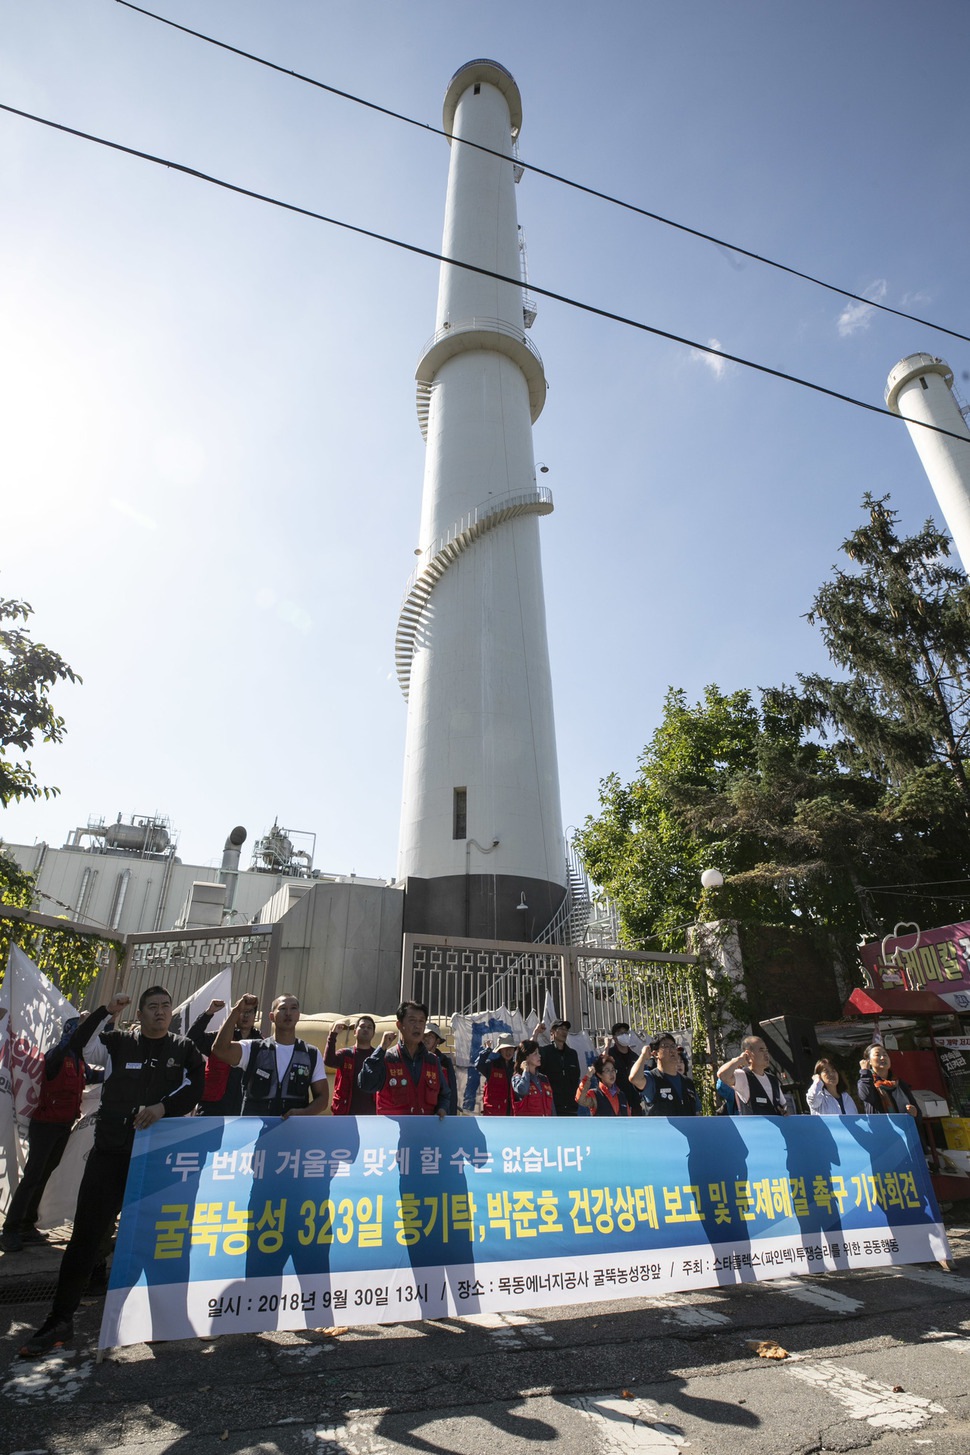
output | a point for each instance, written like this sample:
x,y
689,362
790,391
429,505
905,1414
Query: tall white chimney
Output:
x,y
482,849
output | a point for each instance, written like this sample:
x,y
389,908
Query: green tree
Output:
x,y
838,807
28,670
735,784
899,626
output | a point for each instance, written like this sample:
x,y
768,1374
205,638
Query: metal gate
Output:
x,y
183,960
593,988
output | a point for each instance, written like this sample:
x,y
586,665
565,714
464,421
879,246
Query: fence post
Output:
x,y
271,983
572,1001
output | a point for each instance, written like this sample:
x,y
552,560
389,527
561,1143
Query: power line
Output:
x,y
473,268
543,172
933,898
915,884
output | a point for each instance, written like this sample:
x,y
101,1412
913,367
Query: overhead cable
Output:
x,y
543,172
473,268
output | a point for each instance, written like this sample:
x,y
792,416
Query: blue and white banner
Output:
x,y
246,1224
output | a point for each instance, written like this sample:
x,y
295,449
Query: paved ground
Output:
x,y
878,1361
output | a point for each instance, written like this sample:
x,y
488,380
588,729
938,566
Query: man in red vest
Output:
x,y
403,1074
50,1126
348,1099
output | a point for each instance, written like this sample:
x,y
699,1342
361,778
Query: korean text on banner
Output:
x,y
245,1224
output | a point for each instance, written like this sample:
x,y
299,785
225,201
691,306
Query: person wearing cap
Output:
x,y
667,1090
494,1066
433,1041
559,1063
620,1050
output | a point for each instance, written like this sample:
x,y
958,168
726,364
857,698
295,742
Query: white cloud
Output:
x,y
717,366
855,316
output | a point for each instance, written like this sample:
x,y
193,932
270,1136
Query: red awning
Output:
x,y
895,1002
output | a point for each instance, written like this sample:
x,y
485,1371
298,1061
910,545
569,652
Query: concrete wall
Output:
x,y
340,948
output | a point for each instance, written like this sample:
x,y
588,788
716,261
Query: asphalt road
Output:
x,y
877,1360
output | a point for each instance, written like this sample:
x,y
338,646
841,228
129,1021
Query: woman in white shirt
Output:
x,y
827,1096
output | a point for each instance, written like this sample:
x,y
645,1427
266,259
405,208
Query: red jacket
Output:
x,y
497,1089
537,1101
348,1099
399,1096
60,1095
216,1079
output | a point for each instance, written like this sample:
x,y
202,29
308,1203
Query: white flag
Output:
x,y
218,988
469,1032
36,1012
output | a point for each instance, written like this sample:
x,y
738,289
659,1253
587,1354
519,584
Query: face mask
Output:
x,y
623,1041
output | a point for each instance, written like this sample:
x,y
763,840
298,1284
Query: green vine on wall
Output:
x,y
70,959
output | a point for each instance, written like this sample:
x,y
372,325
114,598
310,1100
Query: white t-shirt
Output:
x,y
742,1085
284,1055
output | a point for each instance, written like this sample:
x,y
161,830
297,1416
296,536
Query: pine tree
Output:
x,y
900,627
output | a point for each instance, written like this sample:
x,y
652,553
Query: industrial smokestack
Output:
x,y
920,390
471,650
229,873
232,849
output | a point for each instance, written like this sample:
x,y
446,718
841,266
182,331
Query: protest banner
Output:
x,y
36,1012
245,1224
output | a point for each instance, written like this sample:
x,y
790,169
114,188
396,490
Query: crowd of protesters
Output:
x,y
152,1073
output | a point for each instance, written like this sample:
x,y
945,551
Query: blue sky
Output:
x,y
210,452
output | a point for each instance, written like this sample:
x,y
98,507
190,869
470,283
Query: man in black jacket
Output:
x,y
223,1094
559,1062
151,1074
628,1062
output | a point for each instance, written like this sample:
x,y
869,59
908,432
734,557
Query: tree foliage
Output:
x,y
68,958
812,800
28,670
899,626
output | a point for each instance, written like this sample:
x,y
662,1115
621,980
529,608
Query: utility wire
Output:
x,y
473,268
934,898
915,884
543,172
